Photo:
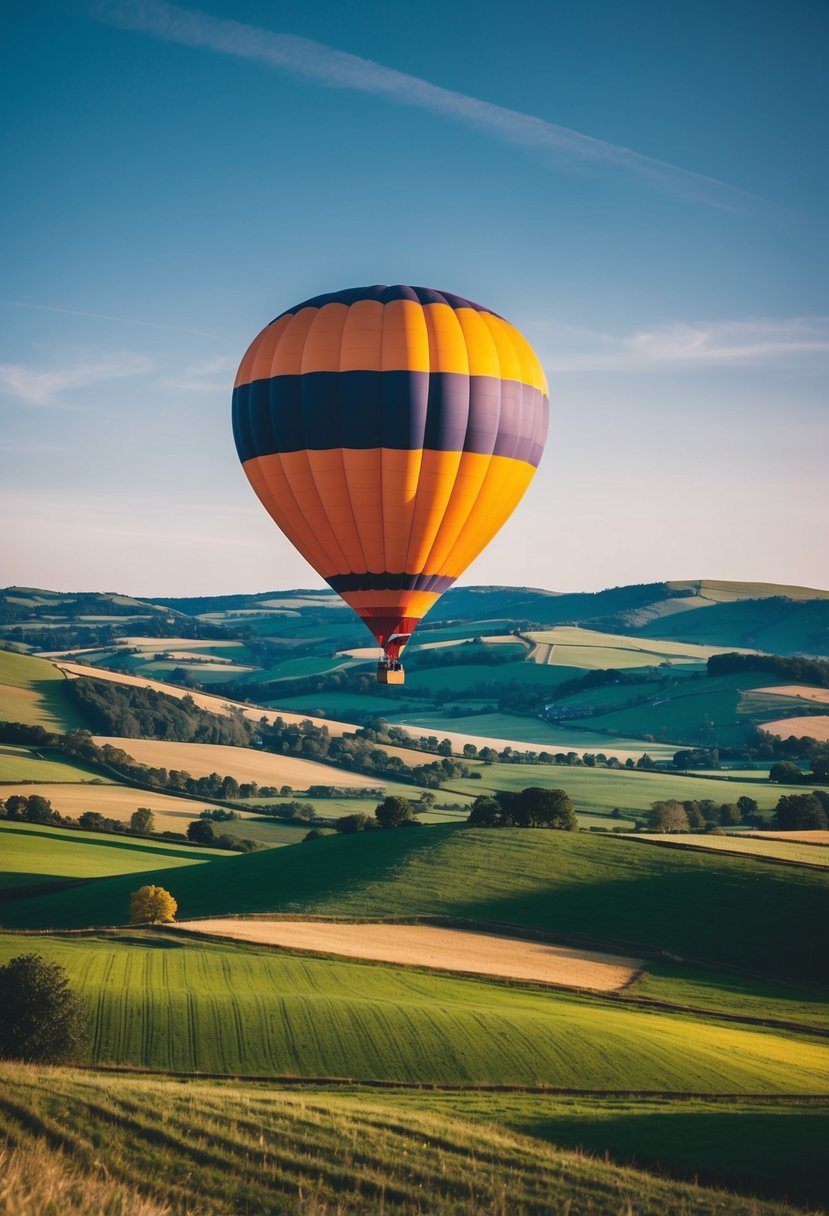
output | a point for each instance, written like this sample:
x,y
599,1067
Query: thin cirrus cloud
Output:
x,y
558,146
701,344
38,387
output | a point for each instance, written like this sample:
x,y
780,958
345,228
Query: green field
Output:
x,y
31,855
601,789
228,1149
162,1001
734,912
515,729
33,690
27,764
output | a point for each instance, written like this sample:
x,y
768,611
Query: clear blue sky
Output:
x,y
640,187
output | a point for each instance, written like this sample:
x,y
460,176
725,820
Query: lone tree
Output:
x,y
394,812
142,820
43,1019
152,905
668,815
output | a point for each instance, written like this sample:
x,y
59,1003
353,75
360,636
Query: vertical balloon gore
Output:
x,y
389,432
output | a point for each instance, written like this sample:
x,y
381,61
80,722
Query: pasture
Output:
x,y
589,649
32,690
236,1148
33,854
161,1000
600,790
525,734
29,764
598,890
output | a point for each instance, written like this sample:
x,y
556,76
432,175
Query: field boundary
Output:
x,y
458,1087
643,838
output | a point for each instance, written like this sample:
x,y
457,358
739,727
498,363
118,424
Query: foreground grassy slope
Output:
x,y
769,1148
162,1002
231,1149
736,912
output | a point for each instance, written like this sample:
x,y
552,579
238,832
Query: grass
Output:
x,y
490,729
734,912
708,710
33,691
32,854
601,789
220,1149
160,1001
26,764
730,993
588,648
766,1149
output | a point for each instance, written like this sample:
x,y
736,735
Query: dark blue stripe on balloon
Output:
x,y
437,583
440,411
384,295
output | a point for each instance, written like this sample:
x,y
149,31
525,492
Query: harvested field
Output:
x,y
116,802
781,846
813,727
243,763
446,949
818,837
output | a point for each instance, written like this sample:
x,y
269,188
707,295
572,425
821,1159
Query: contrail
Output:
x,y
556,145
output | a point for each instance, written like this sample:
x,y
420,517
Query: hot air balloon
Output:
x,y
389,432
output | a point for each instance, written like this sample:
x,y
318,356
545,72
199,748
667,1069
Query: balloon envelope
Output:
x,y
390,432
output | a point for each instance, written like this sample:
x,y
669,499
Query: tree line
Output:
x,y
795,669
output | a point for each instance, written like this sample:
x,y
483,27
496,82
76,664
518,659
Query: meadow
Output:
x,y
735,912
26,764
600,790
130,1144
32,690
33,855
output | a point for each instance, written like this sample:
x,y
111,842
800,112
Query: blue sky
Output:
x,y
640,187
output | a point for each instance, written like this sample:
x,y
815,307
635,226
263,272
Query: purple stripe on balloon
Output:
x,y
445,411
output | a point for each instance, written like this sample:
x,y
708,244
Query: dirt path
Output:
x,y
426,946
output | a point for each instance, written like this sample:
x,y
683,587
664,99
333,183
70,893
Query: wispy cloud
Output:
x,y
106,316
558,146
205,377
36,386
684,344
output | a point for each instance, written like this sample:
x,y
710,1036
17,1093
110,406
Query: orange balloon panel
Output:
x,y
390,432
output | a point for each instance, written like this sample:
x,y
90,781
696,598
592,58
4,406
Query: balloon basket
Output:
x,y
390,674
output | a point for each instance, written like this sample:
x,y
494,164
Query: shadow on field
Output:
x,y
130,844
774,1154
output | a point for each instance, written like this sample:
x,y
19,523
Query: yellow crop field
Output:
x,y
782,846
444,949
115,801
243,763
813,727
